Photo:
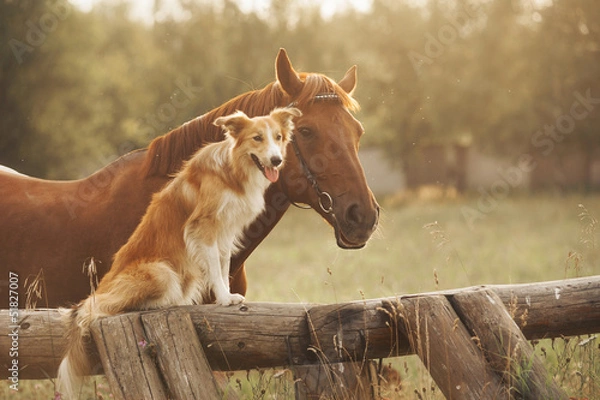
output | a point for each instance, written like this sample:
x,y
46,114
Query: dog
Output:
x,y
179,253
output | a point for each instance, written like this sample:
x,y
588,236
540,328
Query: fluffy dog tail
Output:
x,y
75,364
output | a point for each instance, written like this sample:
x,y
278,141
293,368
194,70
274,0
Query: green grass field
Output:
x,y
423,246
525,239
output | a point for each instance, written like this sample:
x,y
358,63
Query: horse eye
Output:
x,y
306,132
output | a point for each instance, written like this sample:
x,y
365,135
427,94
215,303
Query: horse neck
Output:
x,y
166,154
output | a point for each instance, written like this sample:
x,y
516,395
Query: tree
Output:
x,y
567,41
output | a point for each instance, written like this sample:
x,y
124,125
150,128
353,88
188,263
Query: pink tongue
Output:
x,y
272,174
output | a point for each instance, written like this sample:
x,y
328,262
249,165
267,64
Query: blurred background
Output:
x,y
451,90
482,121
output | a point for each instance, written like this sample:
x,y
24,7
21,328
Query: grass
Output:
x,y
422,246
526,239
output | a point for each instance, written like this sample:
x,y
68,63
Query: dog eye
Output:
x,y
279,137
258,138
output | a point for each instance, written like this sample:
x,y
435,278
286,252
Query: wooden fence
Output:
x,y
473,341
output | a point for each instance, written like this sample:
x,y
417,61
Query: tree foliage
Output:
x,y
78,88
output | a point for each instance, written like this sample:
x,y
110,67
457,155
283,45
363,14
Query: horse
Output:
x,y
59,227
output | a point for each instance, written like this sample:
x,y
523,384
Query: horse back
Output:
x,y
58,226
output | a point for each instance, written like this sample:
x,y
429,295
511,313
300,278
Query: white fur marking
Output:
x,y
10,171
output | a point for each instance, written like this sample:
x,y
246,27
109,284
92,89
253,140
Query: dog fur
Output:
x,y
179,254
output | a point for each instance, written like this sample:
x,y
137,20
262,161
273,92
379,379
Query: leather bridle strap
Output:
x,y
325,199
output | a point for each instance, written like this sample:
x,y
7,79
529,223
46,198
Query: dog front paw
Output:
x,y
231,299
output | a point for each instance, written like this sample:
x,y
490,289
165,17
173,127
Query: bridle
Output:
x,y
325,199
322,195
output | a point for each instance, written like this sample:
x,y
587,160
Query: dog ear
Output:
x,y
233,123
285,115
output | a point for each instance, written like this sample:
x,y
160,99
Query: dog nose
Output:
x,y
276,160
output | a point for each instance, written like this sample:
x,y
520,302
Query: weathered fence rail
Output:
x,y
269,334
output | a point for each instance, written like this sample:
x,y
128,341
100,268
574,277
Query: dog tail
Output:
x,y
75,364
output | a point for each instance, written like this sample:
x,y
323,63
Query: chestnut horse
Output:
x,y
55,226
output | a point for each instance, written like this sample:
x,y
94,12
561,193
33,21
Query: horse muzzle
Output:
x,y
355,225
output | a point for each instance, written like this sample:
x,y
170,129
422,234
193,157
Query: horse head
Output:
x,y
322,168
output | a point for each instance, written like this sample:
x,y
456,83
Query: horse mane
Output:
x,y
166,153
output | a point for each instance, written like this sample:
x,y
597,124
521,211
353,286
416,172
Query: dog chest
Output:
x,y
240,210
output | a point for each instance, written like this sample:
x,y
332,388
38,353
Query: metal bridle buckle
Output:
x,y
329,200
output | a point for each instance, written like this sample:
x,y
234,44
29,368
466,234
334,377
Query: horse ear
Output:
x,y
233,123
286,76
348,82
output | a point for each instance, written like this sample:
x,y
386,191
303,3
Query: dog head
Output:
x,y
263,140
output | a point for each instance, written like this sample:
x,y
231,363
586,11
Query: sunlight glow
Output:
x,y
143,10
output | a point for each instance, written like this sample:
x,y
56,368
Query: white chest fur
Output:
x,y
237,211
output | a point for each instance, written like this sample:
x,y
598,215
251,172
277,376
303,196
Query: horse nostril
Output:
x,y
275,161
354,216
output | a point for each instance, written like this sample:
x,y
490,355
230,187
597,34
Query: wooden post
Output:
x,y
268,335
154,355
504,345
128,362
252,335
348,381
445,347
337,324
179,354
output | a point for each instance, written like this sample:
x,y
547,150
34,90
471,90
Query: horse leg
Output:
x,y
237,280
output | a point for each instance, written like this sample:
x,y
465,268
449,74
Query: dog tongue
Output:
x,y
272,174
